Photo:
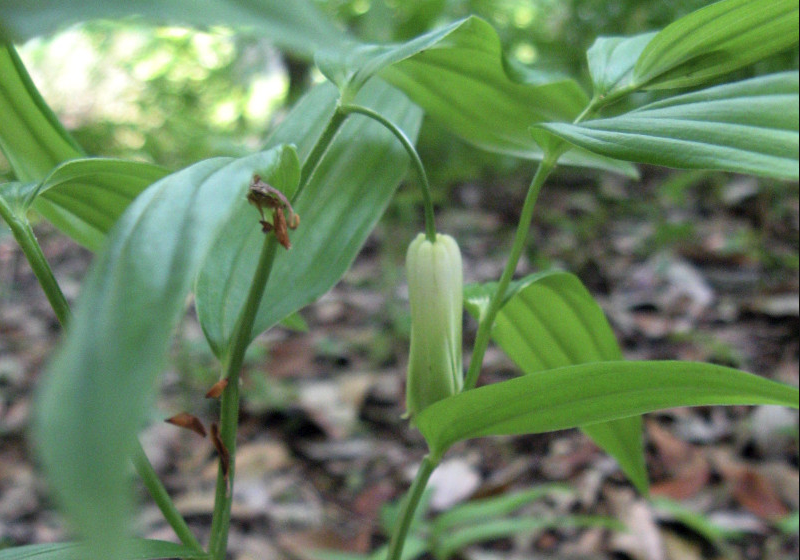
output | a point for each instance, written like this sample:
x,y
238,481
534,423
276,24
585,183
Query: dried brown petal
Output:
x,y
281,228
188,422
222,451
217,388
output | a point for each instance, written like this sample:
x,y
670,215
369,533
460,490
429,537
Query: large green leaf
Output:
x,y
97,389
585,394
31,137
85,197
716,40
611,61
296,26
747,127
339,207
460,76
550,320
140,550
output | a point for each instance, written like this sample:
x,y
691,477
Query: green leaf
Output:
x,y
494,507
574,396
296,26
338,208
746,127
141,549
98,386
31,137
492,529
85,197
716,40
460,76
549,320
414,548
611,61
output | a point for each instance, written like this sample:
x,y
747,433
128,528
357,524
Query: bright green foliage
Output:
x,y
31,137
85,197
194,228
435,287
100,383
550,320
295,26
716,40
611,61
476,521
338,208
82,197
496,102
747,127
574,396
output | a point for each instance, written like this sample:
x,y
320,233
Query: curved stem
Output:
x,y
23,233
430,224
160,496
409,507
486,322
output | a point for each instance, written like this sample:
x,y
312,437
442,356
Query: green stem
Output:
x,y
486,321
319,149
151,481
229,407
430,223
409,507
24,235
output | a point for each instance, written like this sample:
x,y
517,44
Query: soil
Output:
x,y
687,266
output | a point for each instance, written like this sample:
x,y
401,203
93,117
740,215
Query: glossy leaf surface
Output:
x,y
746,127
611,61
97,389
338,209
716,40
460,76
31,137
550,320
82,197
85,197
585,394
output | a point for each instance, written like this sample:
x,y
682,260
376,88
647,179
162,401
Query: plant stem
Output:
x,y
430,223
151,481
229,407
24,235
319,149
409,507
486,322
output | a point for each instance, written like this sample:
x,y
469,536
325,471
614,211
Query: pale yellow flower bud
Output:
x,y
435,291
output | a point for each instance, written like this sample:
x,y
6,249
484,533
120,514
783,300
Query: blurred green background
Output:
x,y
174,96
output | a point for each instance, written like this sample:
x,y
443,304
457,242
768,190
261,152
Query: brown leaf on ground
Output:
x,y
643,539
687,465
754,491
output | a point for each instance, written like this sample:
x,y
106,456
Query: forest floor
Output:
x,y
693,266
